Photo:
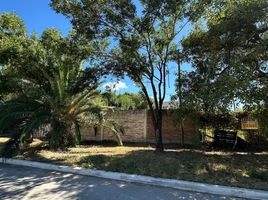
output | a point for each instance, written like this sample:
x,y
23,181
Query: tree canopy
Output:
x,y
146,40
49,83
229,54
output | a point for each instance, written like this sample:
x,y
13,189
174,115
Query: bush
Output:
x,y
219,120
10,148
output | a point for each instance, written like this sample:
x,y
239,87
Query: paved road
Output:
x,y
30,183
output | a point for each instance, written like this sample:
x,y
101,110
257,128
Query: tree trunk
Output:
x,y
70,138
158,131
180,99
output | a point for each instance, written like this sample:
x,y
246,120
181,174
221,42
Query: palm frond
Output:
x,y
116,129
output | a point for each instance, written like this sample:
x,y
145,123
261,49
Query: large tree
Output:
x,y
229,54
145,40
46,84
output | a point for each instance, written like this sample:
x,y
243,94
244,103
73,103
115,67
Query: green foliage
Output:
x,y
263,120
146,42
12,25
12,36
219,121
229,54
182,113
49,86
125,101
253,173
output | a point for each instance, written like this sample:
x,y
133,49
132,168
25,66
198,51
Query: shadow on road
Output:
x,y
29,183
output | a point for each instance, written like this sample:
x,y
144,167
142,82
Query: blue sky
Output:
x,y
37,15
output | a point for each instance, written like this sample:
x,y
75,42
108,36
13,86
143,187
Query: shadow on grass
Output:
x,y
241,170
110,143
33,153
249,170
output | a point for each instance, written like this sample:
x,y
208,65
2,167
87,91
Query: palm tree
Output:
x,y
60,98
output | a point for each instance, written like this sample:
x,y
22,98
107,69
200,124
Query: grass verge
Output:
x,y
248,170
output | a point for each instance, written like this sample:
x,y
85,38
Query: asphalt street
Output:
x,y
18,182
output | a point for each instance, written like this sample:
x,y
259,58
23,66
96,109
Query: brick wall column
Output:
x,y
145,126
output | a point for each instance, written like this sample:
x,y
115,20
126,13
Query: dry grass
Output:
x,y
74,156
3,140
239,169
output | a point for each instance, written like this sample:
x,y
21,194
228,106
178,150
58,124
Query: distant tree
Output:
x,y
49,84
139,101
146,41
125,101
131,101
110,98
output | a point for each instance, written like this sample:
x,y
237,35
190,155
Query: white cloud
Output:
x,y
115,86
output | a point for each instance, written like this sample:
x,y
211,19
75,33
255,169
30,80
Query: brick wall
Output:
x,y
132,122
138,127
170,132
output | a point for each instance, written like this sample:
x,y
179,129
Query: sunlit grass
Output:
x,y
3,140
239,169
95,150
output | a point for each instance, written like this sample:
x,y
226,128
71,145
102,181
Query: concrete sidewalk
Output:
x,y
17,182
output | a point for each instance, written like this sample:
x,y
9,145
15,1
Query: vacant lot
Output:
x,y
248,170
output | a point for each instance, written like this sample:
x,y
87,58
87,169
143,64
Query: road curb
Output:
x,y
170,183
